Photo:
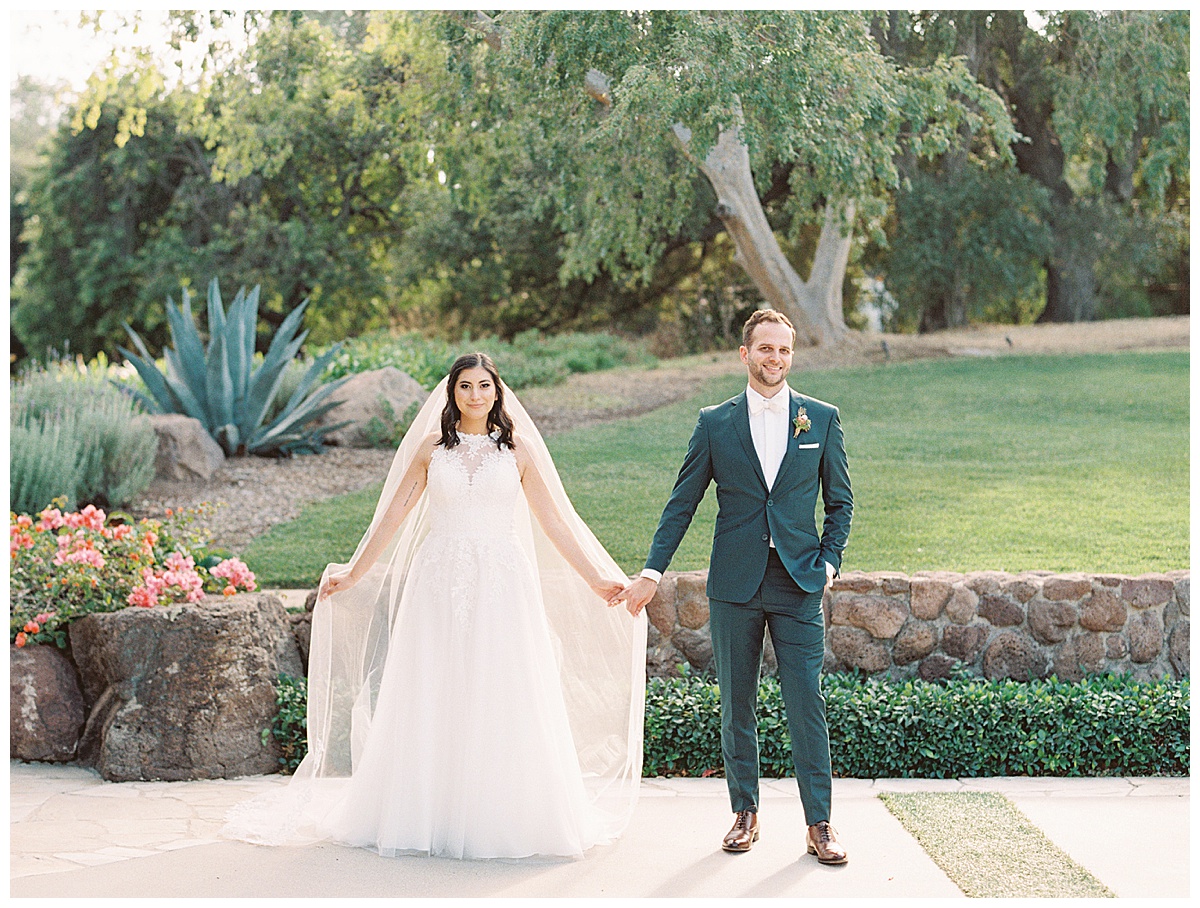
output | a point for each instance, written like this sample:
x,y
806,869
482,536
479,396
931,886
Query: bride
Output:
x,y
469,695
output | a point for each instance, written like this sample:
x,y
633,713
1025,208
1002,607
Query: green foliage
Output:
x,y
290,727
530,359
43,459
966,241
223,388
962,728
388,431
76,435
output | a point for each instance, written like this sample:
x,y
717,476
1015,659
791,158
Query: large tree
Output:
x,y
633,101
1101,100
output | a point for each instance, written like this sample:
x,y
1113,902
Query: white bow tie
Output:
x,y
776,404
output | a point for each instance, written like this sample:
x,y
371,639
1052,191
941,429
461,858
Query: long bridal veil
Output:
x,y
600,653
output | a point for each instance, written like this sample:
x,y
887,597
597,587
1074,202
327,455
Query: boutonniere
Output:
x,y
801,422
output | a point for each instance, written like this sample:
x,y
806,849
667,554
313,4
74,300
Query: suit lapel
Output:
x,y
789,451
740,417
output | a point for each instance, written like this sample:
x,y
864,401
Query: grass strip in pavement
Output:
x,y
989,848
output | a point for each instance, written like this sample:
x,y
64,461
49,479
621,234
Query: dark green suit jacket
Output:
x,y
749,514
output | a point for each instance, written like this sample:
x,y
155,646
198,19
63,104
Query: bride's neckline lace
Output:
x,y
473,438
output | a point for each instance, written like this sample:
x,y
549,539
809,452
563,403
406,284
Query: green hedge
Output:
x,y
962,728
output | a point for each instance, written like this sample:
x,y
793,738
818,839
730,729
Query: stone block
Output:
x,y
936,667
984,583
963,643
928,597
1103,610
916,640
879,616
1000,611
46,712
1145,633
661,609
1115,647
1021,589
696,647
858,649
961,609
1179,649
1013,655
1066,588
893,583
691,599
1183,595
1051,621
855,582
1080,655
1147,591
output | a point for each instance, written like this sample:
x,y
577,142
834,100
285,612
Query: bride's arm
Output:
x,y
407,494
541,503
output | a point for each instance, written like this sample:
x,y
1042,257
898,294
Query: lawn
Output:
x,y
1060,463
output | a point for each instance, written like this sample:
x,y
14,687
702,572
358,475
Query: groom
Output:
x,y
770,450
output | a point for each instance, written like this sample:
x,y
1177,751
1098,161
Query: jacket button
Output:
x,y
766,536
770,503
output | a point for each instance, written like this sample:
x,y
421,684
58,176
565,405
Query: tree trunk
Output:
x,y
1070,284
814,306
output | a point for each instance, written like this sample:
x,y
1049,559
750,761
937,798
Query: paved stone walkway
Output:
x,y
73,834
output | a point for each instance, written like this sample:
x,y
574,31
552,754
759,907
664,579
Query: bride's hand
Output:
x,y
608,590
336,583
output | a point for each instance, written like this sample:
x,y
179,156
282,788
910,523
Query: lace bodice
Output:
x,y
473,488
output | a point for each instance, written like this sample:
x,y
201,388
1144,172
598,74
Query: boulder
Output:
x,y
880,616
384,395
936,667
185,450
696,647
185,691
46,712
660,611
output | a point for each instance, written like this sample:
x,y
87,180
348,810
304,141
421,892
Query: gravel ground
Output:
x,y
253,494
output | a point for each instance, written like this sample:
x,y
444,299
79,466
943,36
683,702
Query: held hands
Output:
x,y
639,593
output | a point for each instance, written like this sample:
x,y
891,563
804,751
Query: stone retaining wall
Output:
x,y
999,625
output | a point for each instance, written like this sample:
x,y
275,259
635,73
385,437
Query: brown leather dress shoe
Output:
x,y
822,841
744,832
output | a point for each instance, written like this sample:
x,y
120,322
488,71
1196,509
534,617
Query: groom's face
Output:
x,y
768,359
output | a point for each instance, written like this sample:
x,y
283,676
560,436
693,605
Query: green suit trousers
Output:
x,y
797,625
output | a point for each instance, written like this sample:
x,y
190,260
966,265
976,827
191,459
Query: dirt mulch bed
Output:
x,y
253,494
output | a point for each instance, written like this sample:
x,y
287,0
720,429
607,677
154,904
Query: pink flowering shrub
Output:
x,y
63,566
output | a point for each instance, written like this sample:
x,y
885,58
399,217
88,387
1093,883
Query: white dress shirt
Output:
x,y
769,432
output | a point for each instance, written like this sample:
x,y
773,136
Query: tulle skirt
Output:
x,y
469,752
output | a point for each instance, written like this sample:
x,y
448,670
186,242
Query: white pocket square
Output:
x,y
813,445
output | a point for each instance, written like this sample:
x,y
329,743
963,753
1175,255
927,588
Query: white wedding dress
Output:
x,y
470,696
470,752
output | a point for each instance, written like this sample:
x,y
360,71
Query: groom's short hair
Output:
x,y
764,315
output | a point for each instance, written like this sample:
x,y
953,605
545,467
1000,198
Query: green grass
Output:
x,y
989,848
1060,463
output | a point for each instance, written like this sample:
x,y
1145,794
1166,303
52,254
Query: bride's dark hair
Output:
x,y
498,418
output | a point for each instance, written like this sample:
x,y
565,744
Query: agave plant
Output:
x,y
220,385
